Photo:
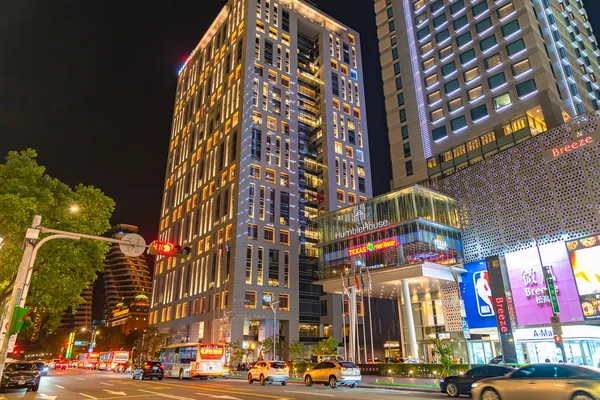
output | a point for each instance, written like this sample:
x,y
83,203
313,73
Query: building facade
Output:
x,y
131,314
464,80
269,130
124,277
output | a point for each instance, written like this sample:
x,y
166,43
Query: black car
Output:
x,y
454,386
148,369
21,375
42,367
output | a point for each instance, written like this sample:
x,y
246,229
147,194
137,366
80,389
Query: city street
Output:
x,y
83,384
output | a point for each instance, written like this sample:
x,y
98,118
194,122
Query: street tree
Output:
x,y
442,350
64,268
266,347
148,343
326,347
296,349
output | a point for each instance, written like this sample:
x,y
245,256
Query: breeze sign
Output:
x,y
575,142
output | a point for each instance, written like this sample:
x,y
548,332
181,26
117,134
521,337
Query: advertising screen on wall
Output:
x,y
584,254
532,303
477,294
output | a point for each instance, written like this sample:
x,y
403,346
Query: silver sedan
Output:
x,y
541,381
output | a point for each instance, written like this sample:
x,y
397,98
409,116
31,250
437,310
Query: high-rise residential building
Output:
x,y
124,277
269,130
82,315
465,79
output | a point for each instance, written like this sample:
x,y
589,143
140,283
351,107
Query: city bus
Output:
x,y
87,360
190,360
110,359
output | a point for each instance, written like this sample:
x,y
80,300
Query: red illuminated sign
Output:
x,y
559,151
501,314
211,352
374,246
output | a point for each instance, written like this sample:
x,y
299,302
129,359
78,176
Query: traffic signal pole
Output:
x,y
24,273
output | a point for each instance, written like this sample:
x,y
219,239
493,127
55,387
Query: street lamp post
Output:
x,y
274,309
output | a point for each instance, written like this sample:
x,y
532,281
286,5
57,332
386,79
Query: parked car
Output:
x,y
454,386
42,367
333,373
148,369
541,381
20,375
269,371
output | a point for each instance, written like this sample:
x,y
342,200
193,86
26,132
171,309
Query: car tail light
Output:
x,y
343,369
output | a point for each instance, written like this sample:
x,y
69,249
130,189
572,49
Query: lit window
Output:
x,y
334,64
525,88
272,76
270,175
434,97
475,93
479,113
473,145
347,109
455,104
356,113
284,180
437,115
285,81
255,171
431,80
271,123
284,302
458,123
284,238
260,27
269,234
520,67
501,101
344,70
471,75
351,198
336,104
340,196
349,152
338,147
427,64
445,52
505,10
426,48
488,138
253,231
492,61
250,299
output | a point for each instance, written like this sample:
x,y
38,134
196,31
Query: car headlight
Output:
x,y
474,385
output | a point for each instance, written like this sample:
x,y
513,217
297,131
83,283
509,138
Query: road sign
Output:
x,y
553,296
81,343
556,325
466,331
137,246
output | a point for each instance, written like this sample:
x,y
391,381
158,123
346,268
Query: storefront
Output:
x,y
404,246
582,344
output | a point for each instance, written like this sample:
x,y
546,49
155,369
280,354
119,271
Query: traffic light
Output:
x,y
18,319
168,249
558,340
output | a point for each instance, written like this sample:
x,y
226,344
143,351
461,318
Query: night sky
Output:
x,y
91,85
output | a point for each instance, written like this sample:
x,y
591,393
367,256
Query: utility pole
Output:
x,y
134,245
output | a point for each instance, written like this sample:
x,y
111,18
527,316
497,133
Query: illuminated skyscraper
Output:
x,y
465,79
269,130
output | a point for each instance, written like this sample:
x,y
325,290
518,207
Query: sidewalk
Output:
x,y
375,382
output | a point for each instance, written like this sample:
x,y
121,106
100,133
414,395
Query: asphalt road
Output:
x,y
85,385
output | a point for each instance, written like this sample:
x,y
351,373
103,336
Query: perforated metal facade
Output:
x,y
525,192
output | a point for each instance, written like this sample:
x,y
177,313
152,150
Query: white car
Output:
x,y
269,371
333,373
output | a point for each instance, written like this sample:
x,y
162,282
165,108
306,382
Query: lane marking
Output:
x,y
88,396
117,393
225,397
80,379
309,393
169,396
107,384
230,391
58,386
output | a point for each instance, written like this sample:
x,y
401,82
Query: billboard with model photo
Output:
x,y
584,255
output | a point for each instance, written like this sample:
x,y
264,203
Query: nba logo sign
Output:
x,y
483,293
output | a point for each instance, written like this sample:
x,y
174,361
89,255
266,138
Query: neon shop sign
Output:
x,y
373,246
